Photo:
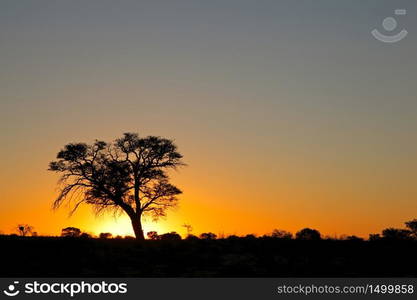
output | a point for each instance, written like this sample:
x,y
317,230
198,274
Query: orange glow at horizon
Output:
x,y
214,206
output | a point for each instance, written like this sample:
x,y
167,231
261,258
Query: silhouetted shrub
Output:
x,y
170,236
105,235
85,235
412,226
281,234
153,235
208,236
70,232
192,237
308,234
396,234
353,238
374,237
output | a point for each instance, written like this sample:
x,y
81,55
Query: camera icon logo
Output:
x,y
11,290
390,24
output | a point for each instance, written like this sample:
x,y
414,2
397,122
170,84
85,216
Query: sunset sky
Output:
x,y
288,113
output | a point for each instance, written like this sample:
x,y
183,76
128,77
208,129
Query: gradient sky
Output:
x,y
289,113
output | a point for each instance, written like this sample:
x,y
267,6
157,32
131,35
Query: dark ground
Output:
x,y
239,257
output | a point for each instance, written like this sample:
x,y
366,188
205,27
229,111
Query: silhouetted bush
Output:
x,y
170,236
281,234
105,235
353,238
85,235
70,232
396,234
153,235
308,234
412,226
192,237
374,237
208,236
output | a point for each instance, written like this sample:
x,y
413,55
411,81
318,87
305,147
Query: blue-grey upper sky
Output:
x,y
296,95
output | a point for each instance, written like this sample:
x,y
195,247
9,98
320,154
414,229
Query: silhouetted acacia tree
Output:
x,y
189,228
308,234
71,232
128,175
24,229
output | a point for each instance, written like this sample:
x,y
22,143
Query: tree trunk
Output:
x,y
137,227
